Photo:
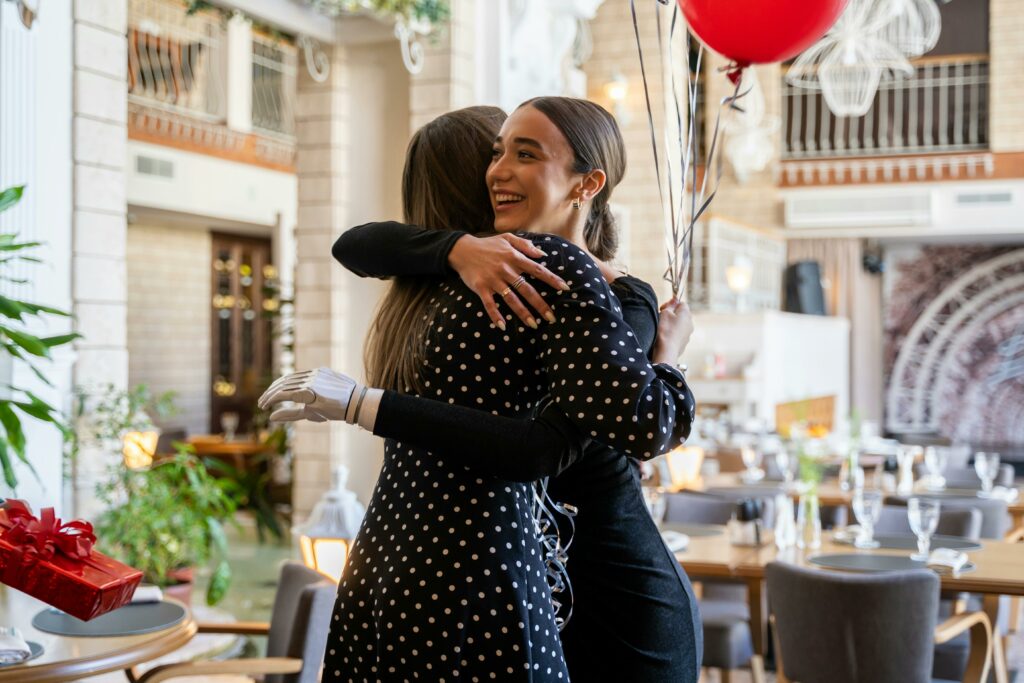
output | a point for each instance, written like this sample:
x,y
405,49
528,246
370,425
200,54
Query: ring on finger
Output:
x,y
505,293
518,283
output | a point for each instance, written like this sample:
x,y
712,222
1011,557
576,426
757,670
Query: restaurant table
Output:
x,y
999,570
237,450
70,659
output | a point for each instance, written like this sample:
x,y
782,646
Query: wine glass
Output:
x,y
784,464
923,514
935,460
986,465
752,461
655,499
229,423
867,506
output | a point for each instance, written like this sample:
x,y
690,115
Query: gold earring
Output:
x,y
576,203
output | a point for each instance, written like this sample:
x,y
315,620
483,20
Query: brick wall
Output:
x,y
169,318
1006,51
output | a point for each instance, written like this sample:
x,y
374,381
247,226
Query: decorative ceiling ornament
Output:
x,y
318,64
750,133
413,19
28,11
848,64
914,28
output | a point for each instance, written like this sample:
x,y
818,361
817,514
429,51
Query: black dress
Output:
x,y
632,602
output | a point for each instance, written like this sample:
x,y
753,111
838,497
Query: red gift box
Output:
x,y
55,562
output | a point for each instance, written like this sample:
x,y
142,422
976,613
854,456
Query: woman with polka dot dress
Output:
x,y
446,580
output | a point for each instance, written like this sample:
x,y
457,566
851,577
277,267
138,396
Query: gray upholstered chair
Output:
x,y
724,610
296,635
834,627
995,519
966,477
963,522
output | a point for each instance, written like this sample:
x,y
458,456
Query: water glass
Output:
x,y
654,497
752,461
923,514
986,465
784,464
935,460
867,507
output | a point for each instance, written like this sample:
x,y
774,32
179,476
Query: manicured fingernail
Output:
x,y
532,323
501,325
565,287
549,316
541,251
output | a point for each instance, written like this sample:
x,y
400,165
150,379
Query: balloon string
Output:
x,y
647,99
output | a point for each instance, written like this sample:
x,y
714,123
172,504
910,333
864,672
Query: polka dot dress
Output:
x,y
446,581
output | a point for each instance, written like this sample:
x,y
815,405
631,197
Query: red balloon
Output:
x,y
759,31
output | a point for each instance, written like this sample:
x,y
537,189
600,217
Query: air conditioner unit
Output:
x,y
817,209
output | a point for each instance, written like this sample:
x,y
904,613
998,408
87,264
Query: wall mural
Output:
x,y
955,345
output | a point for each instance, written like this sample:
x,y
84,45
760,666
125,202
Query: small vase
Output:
x,y
808,522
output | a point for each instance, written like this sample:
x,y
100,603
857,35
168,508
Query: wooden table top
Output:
x,y
211,445
69,659
1000,565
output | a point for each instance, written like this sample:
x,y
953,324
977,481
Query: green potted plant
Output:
x,y
18,343
167,519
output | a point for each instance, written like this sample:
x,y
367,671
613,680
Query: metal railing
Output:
x,y
943,108
177,61
274,69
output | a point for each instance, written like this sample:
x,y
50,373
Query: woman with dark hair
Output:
x,y
626,402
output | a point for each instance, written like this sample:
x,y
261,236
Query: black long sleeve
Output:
x,y
390,249
509,448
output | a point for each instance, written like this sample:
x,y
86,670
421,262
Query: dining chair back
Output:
x,y
300,621
995,517
962,522
876,627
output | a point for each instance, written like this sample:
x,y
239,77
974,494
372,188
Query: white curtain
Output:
x,y
854,294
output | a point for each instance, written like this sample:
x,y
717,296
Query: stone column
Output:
x,y
321,307
448,78
99,221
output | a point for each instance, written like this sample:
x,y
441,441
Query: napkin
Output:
x,y
13,648
147,593
846,535
675,541
1003,493
947,559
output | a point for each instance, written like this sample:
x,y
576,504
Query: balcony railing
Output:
x,y
274,63
177,61
943,108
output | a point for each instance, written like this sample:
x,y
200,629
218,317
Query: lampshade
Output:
x,y
684,465
325,538
138,448
740,274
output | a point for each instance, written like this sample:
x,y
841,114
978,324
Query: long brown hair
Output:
x,y
443,188
596,143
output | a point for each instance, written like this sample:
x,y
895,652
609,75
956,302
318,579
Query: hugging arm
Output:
x,y
598,373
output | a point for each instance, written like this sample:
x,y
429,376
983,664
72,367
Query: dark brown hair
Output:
x,y
596,143
443,188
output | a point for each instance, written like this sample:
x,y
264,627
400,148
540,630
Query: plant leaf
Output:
x,y
10,197
59,340
12,425
219,583
220,540
28,342
8,467
10,308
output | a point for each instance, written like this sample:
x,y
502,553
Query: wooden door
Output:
x,y
243,306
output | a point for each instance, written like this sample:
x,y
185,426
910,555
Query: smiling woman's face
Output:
x,y
530,178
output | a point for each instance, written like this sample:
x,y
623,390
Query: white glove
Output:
x,y
322,395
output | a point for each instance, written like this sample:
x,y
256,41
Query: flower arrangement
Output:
x,y
432,12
